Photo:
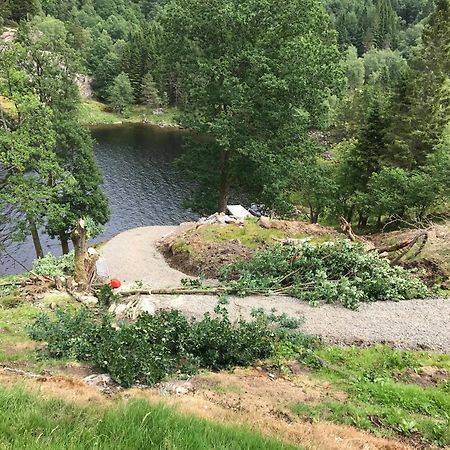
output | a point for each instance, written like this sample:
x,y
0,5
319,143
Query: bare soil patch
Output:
x,y
203,249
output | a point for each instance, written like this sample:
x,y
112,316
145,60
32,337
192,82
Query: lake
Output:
x,y
137,162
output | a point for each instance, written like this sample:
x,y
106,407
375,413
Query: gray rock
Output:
x,y
175,387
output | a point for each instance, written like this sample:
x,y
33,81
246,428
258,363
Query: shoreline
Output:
x,y
94,113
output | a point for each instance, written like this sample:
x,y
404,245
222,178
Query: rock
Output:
x,y
88,300
134,308
265,222
175,387
102,382
144,305
118,309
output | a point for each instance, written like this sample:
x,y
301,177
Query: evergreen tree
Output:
x,y
387,24
431,81
149,92
120,94
23,9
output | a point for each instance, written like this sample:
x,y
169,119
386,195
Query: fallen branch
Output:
x,y
411,244
406,246
176,291
23,373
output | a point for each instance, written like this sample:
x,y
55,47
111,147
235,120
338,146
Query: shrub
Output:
x,y
154,347
331,272
53,266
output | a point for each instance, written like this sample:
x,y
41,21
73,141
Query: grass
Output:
x,y
250,234
93,112
15,315
30,422
382,396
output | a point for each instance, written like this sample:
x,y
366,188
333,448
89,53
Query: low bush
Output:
x,y
53,266
331,272
154,347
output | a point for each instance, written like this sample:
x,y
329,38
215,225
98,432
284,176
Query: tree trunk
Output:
x,y
36,239
313,216
79,240
363,221
64,243
224,188
349,215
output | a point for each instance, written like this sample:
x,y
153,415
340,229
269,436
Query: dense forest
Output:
x,y
312,108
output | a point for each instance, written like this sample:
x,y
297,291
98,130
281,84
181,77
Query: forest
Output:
x,y
316,109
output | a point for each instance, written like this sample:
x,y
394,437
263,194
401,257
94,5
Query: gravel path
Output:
x,y
132,256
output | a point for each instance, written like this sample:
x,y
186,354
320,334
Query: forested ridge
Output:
x,y
318,109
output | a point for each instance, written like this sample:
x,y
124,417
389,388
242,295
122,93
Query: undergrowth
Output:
x,y
167,343
331,272
54,266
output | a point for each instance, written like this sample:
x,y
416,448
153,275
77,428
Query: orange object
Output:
x,y
115,283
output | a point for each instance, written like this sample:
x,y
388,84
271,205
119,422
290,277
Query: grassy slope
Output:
x,y
388,392
29,422
93,112
382,396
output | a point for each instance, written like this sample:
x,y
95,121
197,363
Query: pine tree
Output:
x,y
149,92
121,93
387,24
432,75
22,9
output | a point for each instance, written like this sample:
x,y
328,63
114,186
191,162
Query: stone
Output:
x,y
175,387
265,222
88,300
102,382
144,305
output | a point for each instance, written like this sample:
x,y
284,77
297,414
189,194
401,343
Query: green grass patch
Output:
x,y
29,422
93,112
16,314
181,246
382,398
250,234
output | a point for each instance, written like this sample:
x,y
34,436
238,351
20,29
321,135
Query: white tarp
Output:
x,y
238,211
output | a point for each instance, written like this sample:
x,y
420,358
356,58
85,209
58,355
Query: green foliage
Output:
x,y
149,92
255,91
53,266
120,94
332,272
164,344
131,424
106,296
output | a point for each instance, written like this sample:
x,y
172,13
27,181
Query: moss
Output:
x,y
251,235
181,246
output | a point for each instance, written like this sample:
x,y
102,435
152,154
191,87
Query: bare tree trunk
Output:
x,y
224,188
64,243
79,239
36,239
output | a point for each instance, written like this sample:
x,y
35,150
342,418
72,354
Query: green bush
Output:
x,y
53,266
331,272
154,347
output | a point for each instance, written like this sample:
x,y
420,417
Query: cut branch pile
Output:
x,y
406,246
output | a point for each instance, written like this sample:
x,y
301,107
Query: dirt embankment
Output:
x,y
206,248
203,249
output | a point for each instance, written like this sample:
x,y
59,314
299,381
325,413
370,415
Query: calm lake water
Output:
x,y
139,179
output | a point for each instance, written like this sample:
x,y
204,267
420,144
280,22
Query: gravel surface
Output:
x,y
132,256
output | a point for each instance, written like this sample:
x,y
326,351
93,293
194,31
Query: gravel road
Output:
x,y
132,256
